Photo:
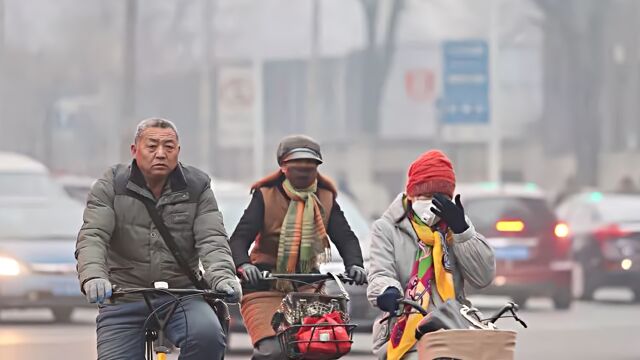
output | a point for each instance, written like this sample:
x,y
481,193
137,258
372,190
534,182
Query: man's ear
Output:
x,y
133,150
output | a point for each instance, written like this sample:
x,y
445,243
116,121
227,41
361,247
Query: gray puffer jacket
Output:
x,y
393,250
118,240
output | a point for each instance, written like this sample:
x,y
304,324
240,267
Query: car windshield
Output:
x,y
357,221
40,220
28,185
486,212
232,207
619,209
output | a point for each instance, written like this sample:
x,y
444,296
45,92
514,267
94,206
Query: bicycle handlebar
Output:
x,y
308,278
414,305
511,307
118,292
508,307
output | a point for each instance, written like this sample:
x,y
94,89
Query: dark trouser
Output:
x,y
268,349
194,328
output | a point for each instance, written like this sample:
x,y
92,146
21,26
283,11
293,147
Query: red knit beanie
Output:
x,y
431,173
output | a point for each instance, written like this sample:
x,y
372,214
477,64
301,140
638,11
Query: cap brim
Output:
x,y
302,154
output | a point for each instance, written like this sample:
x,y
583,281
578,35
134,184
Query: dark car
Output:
x,y
531,246
605,232
233,199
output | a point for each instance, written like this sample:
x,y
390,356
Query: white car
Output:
x,y
38,228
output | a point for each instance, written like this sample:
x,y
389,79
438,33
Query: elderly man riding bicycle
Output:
x,y
148,221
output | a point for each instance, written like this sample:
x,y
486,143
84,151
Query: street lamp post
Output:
x,y
495,137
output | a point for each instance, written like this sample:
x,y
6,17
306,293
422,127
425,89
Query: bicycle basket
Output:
x,y
468,344
313,325
319,337
298,305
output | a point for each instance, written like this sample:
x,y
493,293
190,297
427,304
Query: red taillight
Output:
x,y
612,231
563,242
510,226
561,230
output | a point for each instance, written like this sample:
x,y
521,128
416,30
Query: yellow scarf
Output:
x,y
444,279
428,262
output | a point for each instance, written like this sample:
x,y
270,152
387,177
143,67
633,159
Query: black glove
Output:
x,y
358,274
250,274
388,300
452,214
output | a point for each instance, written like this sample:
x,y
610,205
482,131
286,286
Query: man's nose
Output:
x,y
160,153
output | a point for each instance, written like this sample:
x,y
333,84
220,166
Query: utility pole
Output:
x,y
204,113
258,120
495,139
128,95
2,62
312,81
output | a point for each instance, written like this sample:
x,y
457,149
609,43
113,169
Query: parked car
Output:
x,y
605,232
76,186
233,198
531,246
38,228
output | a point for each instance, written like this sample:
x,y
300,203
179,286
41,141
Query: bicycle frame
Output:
x,y
155,340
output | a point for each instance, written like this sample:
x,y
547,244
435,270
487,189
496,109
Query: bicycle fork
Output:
x,y
156,342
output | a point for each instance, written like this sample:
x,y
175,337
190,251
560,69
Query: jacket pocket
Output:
x,y
179,218
120,268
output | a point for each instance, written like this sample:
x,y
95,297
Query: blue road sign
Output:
x,y
465,82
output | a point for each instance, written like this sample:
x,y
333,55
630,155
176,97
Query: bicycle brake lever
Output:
x,y
344,277
514,306
518,319
115,289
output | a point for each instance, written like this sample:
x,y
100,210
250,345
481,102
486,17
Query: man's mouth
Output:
x,y
159,165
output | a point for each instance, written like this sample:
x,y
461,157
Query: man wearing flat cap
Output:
x,y
290,220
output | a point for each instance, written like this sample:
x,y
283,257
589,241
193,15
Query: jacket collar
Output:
x,y
175,189
396,211
277,178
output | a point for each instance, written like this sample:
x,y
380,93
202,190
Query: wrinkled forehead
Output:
x,y
159,135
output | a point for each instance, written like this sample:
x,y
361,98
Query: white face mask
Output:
x,y
422,208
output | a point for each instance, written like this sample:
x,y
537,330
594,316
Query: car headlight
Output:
x,y
9,266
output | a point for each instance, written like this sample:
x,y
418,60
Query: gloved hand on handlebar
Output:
x,y
97,290
388,300
231,287
250,274
357,273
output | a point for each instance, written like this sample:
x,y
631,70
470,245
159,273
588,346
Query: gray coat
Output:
x,y
393,250
118,240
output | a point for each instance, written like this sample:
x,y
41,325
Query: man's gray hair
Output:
x,y
155,123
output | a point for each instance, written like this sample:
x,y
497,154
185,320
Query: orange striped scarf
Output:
x,y
303,237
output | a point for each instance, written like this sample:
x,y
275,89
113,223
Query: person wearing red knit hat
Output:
x,y
420,244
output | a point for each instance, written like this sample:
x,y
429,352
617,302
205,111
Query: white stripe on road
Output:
x,y
19,335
